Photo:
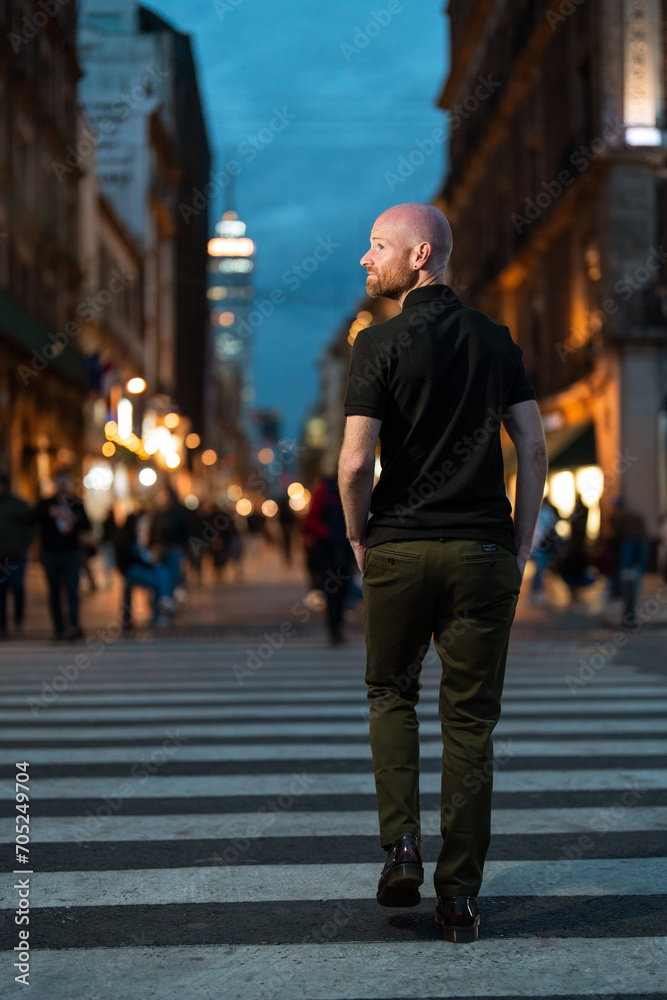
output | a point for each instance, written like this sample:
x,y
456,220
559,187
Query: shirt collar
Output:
x,y
430,293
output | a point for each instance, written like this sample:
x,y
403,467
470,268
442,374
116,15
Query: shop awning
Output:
x,y
567,448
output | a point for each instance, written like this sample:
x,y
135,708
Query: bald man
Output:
x,y
440,554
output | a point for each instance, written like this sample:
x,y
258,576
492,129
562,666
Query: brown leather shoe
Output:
x,y
459,916
402,874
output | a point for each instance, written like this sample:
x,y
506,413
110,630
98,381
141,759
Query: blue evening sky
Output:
x,y
357,111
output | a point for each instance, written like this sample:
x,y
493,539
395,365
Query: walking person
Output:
x,y
60,519
327,523
138,565
441,554
630,541
574,558
170,534
16,531
545,546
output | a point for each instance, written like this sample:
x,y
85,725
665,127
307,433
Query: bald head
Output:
x,y
410,247
417,223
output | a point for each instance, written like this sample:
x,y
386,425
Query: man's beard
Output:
x,y
390,285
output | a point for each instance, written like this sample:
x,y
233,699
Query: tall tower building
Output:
x,y
230,294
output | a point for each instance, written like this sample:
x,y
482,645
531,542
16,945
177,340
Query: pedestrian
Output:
x,y
574,560
60,519
107,547
16,530
441,554
630,540
326,522
139,566
170,534
286,524
88,550
545,547
662,545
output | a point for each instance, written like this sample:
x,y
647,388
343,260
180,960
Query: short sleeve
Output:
x,y
367,391
521,388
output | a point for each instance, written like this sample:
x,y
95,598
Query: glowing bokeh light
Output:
x,y
147,477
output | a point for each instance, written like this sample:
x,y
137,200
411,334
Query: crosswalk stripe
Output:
x,y
266,883
185,695
215,826
511,967
297,711
430,749
134,684
17,736
304,783
268,753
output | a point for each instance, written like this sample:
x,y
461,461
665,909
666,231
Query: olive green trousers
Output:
x,y
463,594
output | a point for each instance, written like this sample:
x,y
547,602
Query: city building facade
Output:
x,y
141,95
557,197
43,378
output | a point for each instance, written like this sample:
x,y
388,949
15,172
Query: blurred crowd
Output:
x,y
162,548
157,549
620,557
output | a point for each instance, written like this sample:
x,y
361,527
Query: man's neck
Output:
x,y
422,282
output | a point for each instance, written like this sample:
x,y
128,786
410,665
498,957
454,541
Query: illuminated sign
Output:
x,y
642,95
221,246
236,266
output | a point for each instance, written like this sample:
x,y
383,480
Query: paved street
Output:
x,y
204,820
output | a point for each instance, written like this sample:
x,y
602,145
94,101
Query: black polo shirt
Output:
x,y
439,376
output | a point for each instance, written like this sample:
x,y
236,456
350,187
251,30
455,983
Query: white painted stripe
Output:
x,y
291,710
323,751
143,785
286,660
318,730
215,826
264,883
511,967
273,671
351,693
135,684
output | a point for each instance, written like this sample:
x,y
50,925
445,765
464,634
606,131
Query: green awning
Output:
x,y
579,450
22,330
568,448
